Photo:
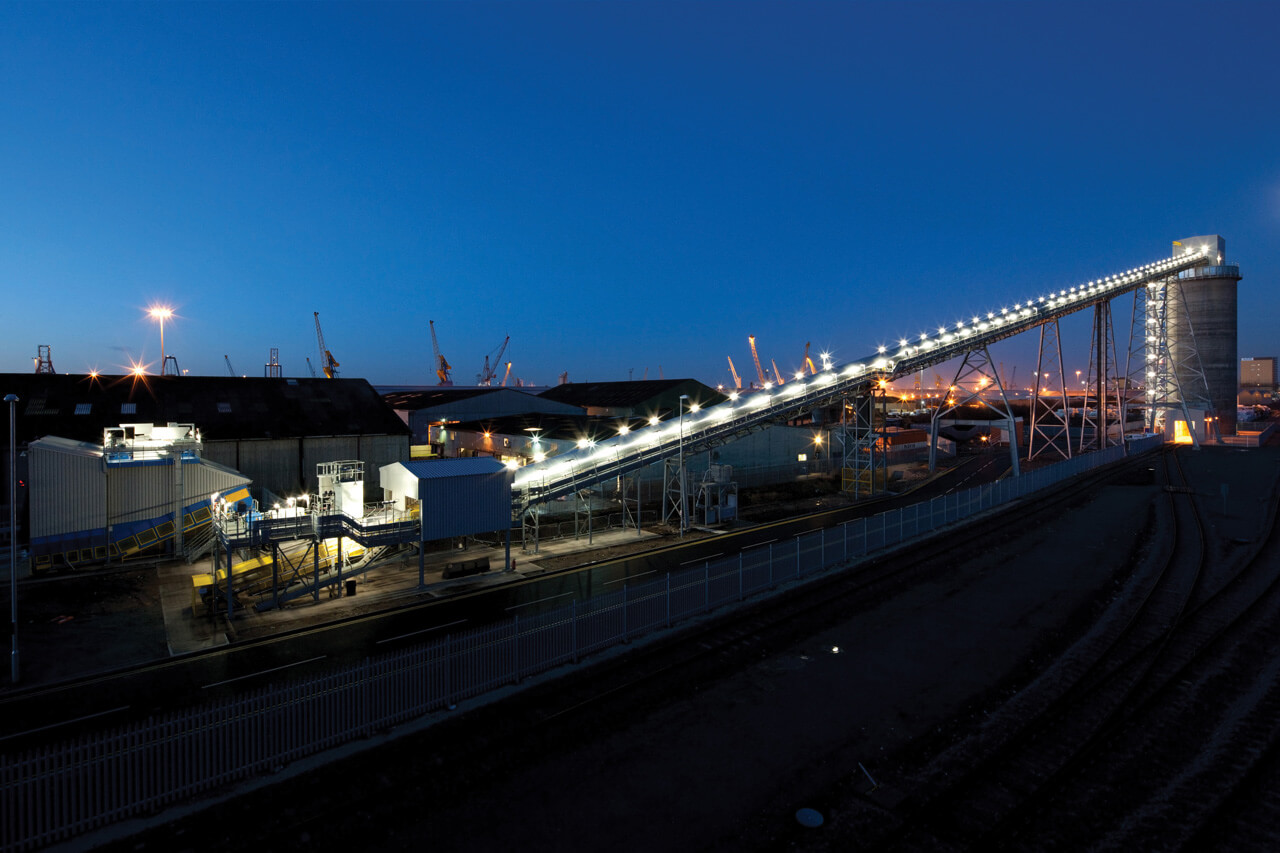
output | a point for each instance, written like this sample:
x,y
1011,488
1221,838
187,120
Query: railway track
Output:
x,y
1094,753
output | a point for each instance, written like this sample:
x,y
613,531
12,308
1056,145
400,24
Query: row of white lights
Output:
x,y
589,454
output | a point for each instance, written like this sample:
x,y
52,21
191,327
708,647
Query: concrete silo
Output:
x,y
1203,323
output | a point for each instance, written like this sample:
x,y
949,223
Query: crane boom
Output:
x,y
506,375
488,373
751,339
231,370
737,380
328,363
808,362
442,366
777,374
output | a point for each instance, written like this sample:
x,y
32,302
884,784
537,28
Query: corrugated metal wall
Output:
x,y
376,451
273,463
140,492
465,505
287,466
68,491
72,492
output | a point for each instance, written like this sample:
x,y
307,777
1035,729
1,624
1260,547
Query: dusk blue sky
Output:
x,y
618,186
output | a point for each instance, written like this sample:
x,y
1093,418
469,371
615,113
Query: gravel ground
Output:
x,y
74,625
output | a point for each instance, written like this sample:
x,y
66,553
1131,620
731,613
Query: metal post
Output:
x,y
275,575
668,599
573,627
516,651
684,500
12,400
230,603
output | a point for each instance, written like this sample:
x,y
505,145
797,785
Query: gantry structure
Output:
x,y
1158,363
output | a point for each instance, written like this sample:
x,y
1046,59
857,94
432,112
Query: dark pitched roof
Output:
x,y
221,407
428,397
567,427
630,394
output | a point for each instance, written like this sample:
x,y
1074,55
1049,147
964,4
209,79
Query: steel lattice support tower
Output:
x,y
625,486
1101,383
675,495
529,523
976,363
1161,302
1046,423
862,465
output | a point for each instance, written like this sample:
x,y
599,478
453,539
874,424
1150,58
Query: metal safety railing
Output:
x,y
56,792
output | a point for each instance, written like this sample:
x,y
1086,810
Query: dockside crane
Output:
x,y
442,366
751,339
506,375
44,360
311,368
737,380
808,362
231,370
328,363
488,373
777,374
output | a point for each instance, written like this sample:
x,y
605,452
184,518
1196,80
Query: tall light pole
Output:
x,y
161,313
684,498
12,400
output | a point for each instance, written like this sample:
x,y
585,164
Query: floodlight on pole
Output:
x,y
160,313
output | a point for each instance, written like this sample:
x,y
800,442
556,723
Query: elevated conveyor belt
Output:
x,y
717,425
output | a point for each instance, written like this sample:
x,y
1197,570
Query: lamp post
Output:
x,y
684,498
12,400
161,313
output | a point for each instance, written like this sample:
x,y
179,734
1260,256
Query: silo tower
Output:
x,y
1203,323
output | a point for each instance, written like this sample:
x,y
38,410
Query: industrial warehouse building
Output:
x,y
271,431
428,412
144,490
639,399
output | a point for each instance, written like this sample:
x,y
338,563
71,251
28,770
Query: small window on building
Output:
x,y
224,408
83,408
128,408
291,382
